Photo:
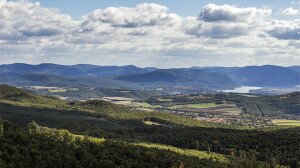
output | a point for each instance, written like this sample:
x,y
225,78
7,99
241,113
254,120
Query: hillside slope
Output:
x,y
171,138
80,70
60,81
295,68
183,77
60,148
267,75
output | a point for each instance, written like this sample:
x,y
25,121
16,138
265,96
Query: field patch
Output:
x,y
151,123
188,152
130,102
286,122
226,108
196,106
117,99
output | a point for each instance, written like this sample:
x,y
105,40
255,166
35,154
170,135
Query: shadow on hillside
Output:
x,y
263,144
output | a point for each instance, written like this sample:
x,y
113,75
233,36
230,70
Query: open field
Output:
x,y
117,99
57,90
196,106
286,122
131,103
200,106
228,109
151,123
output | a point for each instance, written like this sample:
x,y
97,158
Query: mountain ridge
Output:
x,y
133,76
263,76
79,70
181,76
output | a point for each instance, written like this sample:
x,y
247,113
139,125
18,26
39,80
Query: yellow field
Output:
x,y
57,90
130,102
198,106
188,152
230,111
151,123
286,122
117,99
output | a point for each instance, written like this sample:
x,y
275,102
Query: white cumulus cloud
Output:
x,y
225,21
290,11
141,15
227,13
286,30
146,35
22,20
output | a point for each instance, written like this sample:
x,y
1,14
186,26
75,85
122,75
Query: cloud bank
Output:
x,y
147,35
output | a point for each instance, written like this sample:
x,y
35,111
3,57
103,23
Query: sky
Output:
x,y
160,33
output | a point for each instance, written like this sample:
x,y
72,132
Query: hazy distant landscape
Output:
x,y
141,84
165,81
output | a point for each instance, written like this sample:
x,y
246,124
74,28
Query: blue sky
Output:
x,y
151,33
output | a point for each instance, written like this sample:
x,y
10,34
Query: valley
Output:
x,y
149,84
123,132
172,117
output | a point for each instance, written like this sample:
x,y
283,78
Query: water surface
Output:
x,y
242,89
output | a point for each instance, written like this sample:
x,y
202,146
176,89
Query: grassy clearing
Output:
x,y
151,123
139,105
287,122
62,135
200,106
230,111
117,99
129,102
197,106
145,109
125,103
188,152
57,91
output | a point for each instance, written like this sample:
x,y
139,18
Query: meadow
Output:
x,y
222,109
287,122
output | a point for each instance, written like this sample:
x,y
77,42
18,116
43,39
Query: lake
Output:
x,y
242,89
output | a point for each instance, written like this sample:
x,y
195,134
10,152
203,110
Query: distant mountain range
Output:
x,y
295,68
181,77
80,70
132,77
266,75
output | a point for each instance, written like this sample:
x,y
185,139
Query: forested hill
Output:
x,y
181,76
266,75
38,131
46,147
80,70
133,77
130,77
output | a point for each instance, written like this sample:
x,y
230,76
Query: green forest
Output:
x,y
41,131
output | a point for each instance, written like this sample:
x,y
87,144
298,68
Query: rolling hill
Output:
x,y
61,81
98,133
180,77
267,75
80,70
184,80
295,68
